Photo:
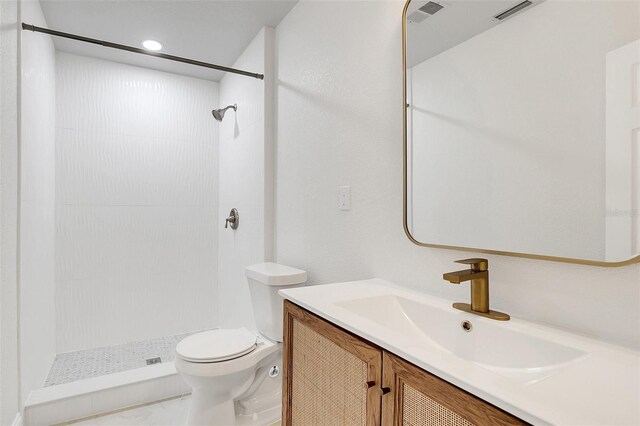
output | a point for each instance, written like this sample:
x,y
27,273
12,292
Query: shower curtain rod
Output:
x,y
139,50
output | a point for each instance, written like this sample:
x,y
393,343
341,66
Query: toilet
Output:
x,y
235,372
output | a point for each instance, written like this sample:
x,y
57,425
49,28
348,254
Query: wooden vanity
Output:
x,y
331,376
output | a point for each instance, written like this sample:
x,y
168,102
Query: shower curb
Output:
x,y
97,395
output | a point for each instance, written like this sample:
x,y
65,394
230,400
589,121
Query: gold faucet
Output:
x,y
479,276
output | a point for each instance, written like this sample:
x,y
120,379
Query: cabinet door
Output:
x,y
330,377
418,398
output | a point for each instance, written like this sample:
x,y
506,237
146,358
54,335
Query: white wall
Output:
x,y
37,203
622,151
9,131
339,122
246,178
136,203
507,155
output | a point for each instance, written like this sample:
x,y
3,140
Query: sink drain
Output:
x,y
466,326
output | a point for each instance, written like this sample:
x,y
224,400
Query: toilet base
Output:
x,y
203,411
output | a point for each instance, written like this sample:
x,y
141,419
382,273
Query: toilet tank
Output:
x,y
265,279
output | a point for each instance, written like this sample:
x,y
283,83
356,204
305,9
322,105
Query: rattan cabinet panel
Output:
x,y
419,409
418,398
331,377
326,381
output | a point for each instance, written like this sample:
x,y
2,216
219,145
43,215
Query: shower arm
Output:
x,y
140,51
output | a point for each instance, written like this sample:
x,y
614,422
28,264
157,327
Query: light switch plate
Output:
x,y
344,197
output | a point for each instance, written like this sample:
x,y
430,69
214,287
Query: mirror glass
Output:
x,y
523,127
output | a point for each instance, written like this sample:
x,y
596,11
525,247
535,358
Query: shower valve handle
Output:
x,y
233,219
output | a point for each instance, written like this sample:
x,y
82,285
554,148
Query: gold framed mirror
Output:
x,y
521,131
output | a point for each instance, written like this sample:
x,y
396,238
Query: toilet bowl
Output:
x,y
224,375
221,366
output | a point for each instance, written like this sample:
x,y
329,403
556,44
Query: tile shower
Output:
x,y
135,209
133,204
136,203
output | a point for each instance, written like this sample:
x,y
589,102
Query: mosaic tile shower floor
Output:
x,y
72,366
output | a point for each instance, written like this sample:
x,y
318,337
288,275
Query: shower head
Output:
x,y
218,114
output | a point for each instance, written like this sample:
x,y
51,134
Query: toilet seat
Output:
x,y
217,345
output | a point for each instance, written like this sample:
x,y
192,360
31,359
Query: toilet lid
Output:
x,y
216,345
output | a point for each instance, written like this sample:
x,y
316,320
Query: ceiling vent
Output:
x,y
431,8
513,10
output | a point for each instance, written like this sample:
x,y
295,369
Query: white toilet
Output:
x,y
232,370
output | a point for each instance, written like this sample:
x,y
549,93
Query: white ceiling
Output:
x,y
457,22
206,30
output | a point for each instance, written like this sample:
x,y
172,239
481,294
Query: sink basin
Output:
x,y
500,346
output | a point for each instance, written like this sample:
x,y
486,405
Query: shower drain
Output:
x,y
155,360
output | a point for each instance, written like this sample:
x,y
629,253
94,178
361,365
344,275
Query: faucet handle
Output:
x,y
477,264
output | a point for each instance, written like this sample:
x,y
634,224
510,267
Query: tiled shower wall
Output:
x,y
136,203
9,94
37,203
246,178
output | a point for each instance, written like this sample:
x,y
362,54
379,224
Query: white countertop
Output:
x,y
602,388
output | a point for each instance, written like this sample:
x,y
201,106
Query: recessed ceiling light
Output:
x,y
152,45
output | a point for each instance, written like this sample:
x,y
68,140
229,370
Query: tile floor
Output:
x,y
171,412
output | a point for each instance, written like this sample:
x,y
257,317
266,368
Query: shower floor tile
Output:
x,y
72,366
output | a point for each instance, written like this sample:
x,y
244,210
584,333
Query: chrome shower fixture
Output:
x,y
218,114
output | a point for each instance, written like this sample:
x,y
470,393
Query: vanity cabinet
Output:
x,y
332,377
